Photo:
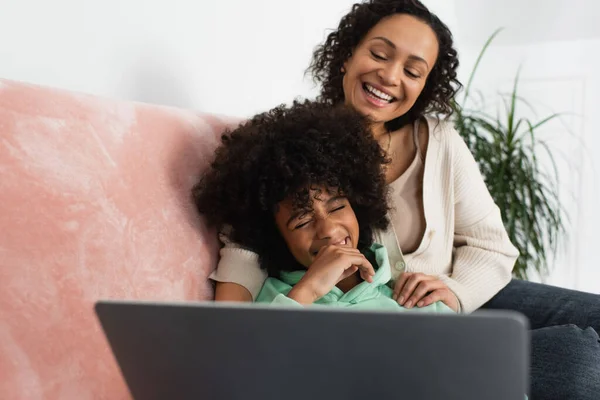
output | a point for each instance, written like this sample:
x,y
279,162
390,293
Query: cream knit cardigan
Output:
x,y
465,243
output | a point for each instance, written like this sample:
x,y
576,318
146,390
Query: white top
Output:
x,y
465,243
407,215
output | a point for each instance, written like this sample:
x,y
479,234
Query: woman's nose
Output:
x,y
390,74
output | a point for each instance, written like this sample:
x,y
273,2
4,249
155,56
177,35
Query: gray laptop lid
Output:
x,y
225,351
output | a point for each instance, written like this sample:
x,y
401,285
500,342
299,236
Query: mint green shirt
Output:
x,y
364,296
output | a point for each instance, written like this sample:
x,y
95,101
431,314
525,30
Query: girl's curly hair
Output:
x,y
442,83
281,154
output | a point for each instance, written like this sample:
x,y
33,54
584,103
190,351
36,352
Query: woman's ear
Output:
x,y
344,66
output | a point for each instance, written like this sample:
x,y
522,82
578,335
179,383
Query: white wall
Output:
x,y
556,43
232,57
239,57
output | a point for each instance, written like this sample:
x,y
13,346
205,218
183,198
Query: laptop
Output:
x,y
248,351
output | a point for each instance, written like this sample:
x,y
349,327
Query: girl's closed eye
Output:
x,y
306,221
303,224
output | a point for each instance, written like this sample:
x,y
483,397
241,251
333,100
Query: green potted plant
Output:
x,y
506,148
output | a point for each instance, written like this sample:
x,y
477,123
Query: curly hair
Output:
x,y
328,59
282,154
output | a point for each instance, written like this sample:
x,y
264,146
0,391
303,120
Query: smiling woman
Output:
x,y
394,62
400,46
380,43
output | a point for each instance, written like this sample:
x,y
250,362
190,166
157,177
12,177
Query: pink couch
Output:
x,y
95,204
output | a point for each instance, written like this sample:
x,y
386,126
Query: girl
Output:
x,y
303,188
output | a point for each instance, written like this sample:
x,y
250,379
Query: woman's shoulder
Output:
x,y
442,135
439,128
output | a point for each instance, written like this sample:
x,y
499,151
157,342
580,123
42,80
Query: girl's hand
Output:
x,y
416,289
331,265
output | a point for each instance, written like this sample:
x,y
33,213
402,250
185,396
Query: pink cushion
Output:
x,y
94,204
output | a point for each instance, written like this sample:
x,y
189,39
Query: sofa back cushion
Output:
x,y
94,204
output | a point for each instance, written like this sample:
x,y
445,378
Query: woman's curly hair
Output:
x,y
328,59
281,154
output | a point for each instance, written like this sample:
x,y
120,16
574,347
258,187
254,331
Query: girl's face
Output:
x,y
388,69
330,221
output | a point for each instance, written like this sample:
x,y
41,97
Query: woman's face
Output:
x,y
388,69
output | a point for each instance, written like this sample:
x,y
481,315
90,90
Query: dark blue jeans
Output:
x,y
565,349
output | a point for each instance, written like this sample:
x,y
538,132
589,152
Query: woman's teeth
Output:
x,y
377,93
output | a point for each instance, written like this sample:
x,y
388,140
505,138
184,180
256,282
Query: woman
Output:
x,y
394,62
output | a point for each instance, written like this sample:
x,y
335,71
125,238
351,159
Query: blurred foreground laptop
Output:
x,y
245,351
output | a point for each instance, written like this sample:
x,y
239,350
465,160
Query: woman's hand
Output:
x,y
416,289
331,265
